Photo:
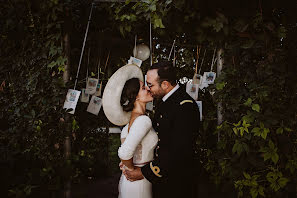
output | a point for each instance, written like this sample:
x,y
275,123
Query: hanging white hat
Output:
x,y
141,52
112,94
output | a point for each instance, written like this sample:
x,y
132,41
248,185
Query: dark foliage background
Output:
x,y
252,153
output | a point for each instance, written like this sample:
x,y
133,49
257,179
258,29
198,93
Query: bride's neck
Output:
x,y
139,108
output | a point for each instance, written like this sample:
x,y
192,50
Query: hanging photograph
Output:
x,y
149,106
197,78
98,89
192,90
199,104
85,97
95,105
71,100
209,77
91,85
135,61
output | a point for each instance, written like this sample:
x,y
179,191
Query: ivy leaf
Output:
x,y
235,130
283,182
220,86
246,175
279,131
248,102
264,133
256,107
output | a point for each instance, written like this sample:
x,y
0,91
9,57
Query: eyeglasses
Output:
x,y
149,85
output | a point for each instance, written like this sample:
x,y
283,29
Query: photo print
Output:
x,y
135,61
199,104
209,77
197,78
71,100
85,97
192,90
91,85
98,89
95,105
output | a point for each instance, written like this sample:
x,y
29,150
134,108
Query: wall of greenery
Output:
x,y
251,154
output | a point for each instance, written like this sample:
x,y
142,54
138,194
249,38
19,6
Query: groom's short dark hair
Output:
x,y
166,71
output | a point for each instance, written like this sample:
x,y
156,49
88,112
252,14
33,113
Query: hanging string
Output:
x,y
213,59
106,61
151,54
197,58
171,49
98,67
202,61
83,47
174,56
135,48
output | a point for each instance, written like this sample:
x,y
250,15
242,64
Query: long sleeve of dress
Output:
x,y
140,127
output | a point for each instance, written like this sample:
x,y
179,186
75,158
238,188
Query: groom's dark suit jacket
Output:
x,y
171,172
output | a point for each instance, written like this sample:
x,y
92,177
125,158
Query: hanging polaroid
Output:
x,y
192,90
149,106
91,85
209,77
95,105
199,104
98,90
135,61
85,97
203,84
71,100
197,78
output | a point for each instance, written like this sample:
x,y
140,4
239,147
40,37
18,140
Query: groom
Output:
x,y
176,119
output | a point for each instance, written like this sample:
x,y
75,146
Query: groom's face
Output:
x,y
153,84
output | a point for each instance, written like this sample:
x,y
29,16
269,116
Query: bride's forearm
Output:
x,y
128,163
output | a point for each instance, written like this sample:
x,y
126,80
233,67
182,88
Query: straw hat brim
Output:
x,y
112,94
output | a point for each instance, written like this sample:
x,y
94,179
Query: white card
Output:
x,y
192,90
98,89
71,100
135,61
95,105
149,106
199,104
209,77
197,78
85,97
91,85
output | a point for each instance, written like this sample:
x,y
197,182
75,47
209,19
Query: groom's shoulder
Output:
x,y
182,97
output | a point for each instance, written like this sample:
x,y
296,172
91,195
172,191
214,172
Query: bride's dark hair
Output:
x,y
129,93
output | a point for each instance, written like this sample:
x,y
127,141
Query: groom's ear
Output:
x,y
165,85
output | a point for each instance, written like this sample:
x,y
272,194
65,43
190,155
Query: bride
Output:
x,y
124,102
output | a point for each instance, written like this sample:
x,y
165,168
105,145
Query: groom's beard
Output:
x,y
159,94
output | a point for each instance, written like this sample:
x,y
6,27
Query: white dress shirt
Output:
x,y
170,93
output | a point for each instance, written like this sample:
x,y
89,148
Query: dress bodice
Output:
x,y
139,142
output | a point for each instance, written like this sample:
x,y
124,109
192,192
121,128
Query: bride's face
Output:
x,y
144,95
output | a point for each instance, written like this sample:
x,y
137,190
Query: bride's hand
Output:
x,y
121,165
129,169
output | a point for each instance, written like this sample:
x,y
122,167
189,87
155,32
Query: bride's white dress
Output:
x,y
139,143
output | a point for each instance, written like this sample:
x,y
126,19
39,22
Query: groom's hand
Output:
x,y
133,175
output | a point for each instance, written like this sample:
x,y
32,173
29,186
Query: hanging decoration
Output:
x,y
98,88
71,100
72,94
209,77
95,105
199,104
85,97
192,90
197,76
192,87
141,51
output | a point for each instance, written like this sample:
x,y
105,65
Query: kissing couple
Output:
x,y
156,155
